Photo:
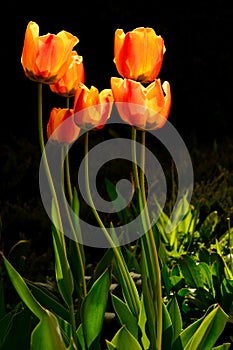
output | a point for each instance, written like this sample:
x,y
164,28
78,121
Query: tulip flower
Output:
x,y
92,108
143,107
46,58
138,54
61,127
74,75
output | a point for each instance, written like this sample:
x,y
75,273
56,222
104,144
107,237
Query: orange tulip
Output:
x,y
61,127
74,75
142,107
46,58
138,54
92,108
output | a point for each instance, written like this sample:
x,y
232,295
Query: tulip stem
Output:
x,y
43,151
134,156
149,241
52,188
116,252
67,164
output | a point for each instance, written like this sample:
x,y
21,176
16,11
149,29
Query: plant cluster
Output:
x,y
162,290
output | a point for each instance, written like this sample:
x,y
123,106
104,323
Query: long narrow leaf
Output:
x,y
142,320
175,314
125,315
94,307
209,331
167,335
49,301
124,340
47,333
62,268
191,271
23,291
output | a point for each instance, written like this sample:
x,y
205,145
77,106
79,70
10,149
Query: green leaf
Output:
x,y
15,329
124,214
76,254
47,335
125,316
80,338
167,335
47,332
181,223
175,314
124,340
191,271
185,335
93,308
209,331
142,319
224,346
208,226
228,272
64,276
149,306
110,346
23,290
104,263
49,301
127,283
206,275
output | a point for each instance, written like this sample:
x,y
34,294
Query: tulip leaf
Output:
x,y
167,335
208,226
49,301
93,308
125,315
124,340
64,276
148,304
23,290
126,281
191,271
15,328
228,272
142,320
80,337
124,214
110,346
209,330
175,315
47,335
224,346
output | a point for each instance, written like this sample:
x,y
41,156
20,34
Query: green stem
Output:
x,y
105,231
230,244
134,156
54,196
68,182
81,264
42,147
150,246
67,165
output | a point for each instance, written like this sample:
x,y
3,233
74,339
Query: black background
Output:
x,y
197,62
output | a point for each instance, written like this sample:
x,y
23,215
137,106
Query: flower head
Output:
x,y
61,127
46,58
138,54
74,75
92,108
140,106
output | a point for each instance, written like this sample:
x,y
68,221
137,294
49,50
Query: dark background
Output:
x,y
197,62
